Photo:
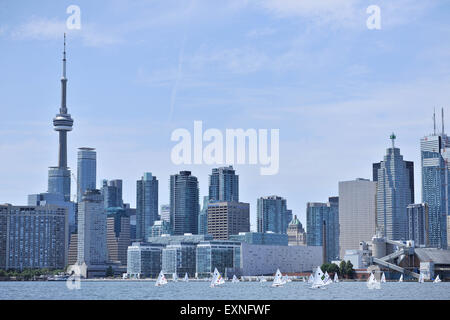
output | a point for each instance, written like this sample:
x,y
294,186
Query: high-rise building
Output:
x,y
435,191
228,218
203,217
165,212
393,194
409,168
146,205
417,223
87,171
357,213
322,223
296,233
92,244
184,203
272,214
224,184
117,235
33,237
159,228
112,193
59,177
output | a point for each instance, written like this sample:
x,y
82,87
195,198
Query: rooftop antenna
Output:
x,y
442,121
393,137
434,120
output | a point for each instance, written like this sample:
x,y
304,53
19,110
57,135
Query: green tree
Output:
x,y
349,269
109,272
342,268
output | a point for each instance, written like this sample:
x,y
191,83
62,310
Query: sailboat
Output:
x,y
278,281
303,279
318,282
437,280
327,279
383,278
311,278
262,279
174,277
336,279
421,279
401,278
217,279
161,280
186,277
372,283
235,279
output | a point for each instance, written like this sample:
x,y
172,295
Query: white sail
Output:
x,y
318,281
174,277
336,279
278,281
235,279
327,279
401,278
161,280
186,277
437,280
217,279
421,279
372,283
303,279
383,278
311,278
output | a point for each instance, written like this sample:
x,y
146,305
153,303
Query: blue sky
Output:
x,y
140,69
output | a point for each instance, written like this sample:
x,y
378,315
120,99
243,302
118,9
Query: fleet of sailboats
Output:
x,y
317,280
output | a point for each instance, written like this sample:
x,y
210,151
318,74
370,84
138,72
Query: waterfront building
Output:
x,y
184,203
272,214
228,218
221,254
92,243
146,205
59,177
144,260
224,184
203,217
435,191
357,213
393,194
266,259
73,249
160,227
258,238
87,171
417,224
296,234
117,235
322,227
33,237
165,212
112,193
179,258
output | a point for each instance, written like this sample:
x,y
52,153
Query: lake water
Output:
x,y
144,290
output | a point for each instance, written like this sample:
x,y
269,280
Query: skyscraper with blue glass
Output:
x,y
393,194
112,193
184,203
87,171
224,184
435,190
146,205
322,227
272,214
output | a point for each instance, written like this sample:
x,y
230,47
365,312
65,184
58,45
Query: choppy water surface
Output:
x,y
143,290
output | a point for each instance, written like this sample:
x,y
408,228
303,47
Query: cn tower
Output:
x,y
59,177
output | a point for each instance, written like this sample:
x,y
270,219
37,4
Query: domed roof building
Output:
x,y
296,233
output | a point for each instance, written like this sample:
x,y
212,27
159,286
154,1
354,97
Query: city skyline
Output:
x,y
305,175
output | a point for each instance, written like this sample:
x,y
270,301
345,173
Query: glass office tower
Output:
x,y
184,203
146,205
